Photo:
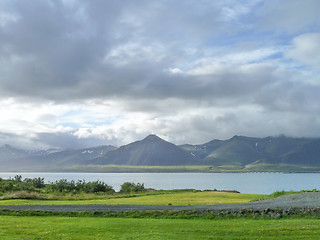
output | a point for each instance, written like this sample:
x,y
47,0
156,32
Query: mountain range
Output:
x,y
239,153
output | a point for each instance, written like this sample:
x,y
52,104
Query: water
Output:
x,y
260,183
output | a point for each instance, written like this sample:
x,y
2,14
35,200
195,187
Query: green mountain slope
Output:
x,y
238,153
241,151
151,151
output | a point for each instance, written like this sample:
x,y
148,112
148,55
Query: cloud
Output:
x,y
93,72
306,49
291,16
65,52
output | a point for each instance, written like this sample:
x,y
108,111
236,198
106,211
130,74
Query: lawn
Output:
x,y
174,198
83,228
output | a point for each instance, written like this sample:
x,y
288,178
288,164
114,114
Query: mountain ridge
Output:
x,y
150,151
237,153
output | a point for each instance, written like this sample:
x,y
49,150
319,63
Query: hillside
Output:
x,y
241,151
238,153
13,159
151,151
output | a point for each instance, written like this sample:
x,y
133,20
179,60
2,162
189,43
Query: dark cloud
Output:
x,y
221,67
66,140
58,51
16,140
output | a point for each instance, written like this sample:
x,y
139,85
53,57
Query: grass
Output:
x,y
133,169
56,228
186,198
264,167
156,198
282,193
261,167
29,225
231,167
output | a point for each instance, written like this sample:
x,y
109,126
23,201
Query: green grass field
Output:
x,y
157,198
83,228
27,225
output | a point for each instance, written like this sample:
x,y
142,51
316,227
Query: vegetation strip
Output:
x,y
32,195
182,214
35,192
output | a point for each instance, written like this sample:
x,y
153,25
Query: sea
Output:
x,y
256,183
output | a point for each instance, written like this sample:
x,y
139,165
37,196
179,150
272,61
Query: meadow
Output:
x,y
181,197
33,227
27,225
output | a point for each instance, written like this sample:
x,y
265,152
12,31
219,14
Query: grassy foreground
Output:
x,y
157,198
28,228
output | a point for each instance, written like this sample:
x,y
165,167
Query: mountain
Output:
x,y
13,159
203,150
8,152
151,151
306,154
235,151
241,151
73,157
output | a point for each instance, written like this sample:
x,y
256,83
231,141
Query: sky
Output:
x,y
81,73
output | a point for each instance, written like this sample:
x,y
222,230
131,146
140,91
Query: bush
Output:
x,y
35,182
129,187
6,186
63,186
38,182
22,195
18,178
81,186
97,186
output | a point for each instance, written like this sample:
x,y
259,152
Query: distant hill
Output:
x,y
239,153
74,157
13,159
151,151
305,154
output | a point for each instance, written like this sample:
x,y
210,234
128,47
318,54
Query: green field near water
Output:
x,y
157,198
83,228
254,167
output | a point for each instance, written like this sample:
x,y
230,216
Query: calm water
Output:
x,y
262,183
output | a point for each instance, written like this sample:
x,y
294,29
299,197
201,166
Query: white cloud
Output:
x,y
175,70
230,61
6,18
306,49
133,53
232,10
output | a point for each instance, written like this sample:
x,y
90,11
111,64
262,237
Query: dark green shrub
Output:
x,y
130,187
17,178
38,182
6,186
63,186
97,186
